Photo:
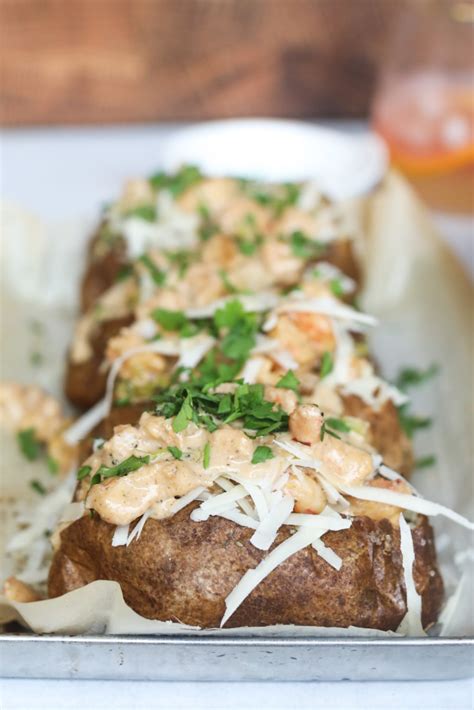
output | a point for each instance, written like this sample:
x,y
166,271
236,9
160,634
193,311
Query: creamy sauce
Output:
x,y
119,500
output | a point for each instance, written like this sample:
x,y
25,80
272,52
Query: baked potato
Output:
x,y
180,570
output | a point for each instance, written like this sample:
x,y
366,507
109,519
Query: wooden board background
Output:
x,y
99,61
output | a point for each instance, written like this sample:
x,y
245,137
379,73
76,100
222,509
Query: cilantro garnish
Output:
x,y
326,364
275,197
145,212
124,272
158,276
181,258
174,451
425,462
305,248
289,381
38,487
184,416
262,453
206,455
29,445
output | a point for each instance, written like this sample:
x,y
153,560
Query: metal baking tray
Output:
x,y
234,658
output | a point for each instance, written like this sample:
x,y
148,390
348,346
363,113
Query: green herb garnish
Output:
x,y
169,320
336,287
337,424
83,472
132,463
158,276
53,465
410,423
174,451
187,176
262,453
411,376
326,364
305,248
29,445
206,455
425,462
145,212
289,381
38,487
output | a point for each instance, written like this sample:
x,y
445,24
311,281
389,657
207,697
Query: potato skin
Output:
x,y
182,571
101,270
386,434
84,382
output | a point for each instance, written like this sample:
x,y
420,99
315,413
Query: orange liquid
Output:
x,y
427,121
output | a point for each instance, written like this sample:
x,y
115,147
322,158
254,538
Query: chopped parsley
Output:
x,y
145,212
175,452
132,463
229,286
195,402
187,176
305,248
275,197
327,364
83,472
425,462
29,445
289,381
336,287
53,465
169,320
206,455
124,272
208,226
38,487
411,376
410,423
262,453
182,259
337,424
158,276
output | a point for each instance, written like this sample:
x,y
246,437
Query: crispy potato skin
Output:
x,y
387,436
181,570
101,271
84,382
341,254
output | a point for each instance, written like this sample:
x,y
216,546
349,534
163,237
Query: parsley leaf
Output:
x,y
327,364
169,320
337,424
184,415
227,283
305,248
289,381
83,472
53,465
29,445
206,455
262,453
410,423
145,212
132,463
336,287
38,487
158,276
187,176
425,462
411,376
177,453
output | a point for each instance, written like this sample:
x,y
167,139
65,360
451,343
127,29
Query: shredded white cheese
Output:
x,y
268,527
411,624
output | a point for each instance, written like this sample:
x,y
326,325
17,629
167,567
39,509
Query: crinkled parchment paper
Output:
x,y
413,284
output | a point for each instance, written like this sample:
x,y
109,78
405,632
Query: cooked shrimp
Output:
x,y
305,423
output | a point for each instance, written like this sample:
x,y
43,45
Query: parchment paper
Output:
x,y
412,283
